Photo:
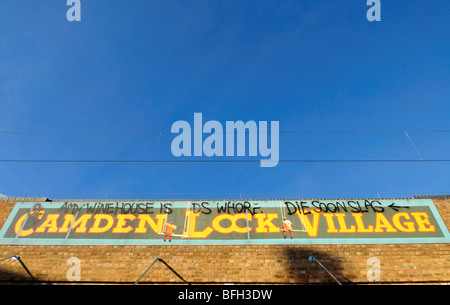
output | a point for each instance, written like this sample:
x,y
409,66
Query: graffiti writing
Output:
x,y
116,208
228,221
351,206
237,207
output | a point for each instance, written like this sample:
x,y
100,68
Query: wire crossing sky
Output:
x,y
88,98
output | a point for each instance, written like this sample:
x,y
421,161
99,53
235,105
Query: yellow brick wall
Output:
x,y
400,263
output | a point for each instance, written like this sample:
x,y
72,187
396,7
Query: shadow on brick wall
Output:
x,y
303,270
13,277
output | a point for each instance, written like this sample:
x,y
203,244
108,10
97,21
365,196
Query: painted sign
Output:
x,y
225,222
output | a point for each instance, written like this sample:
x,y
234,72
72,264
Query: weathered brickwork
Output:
x,y
400,263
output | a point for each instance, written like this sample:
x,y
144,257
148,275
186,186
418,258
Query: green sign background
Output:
x,y
227,222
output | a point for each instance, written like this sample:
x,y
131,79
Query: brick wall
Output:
x,y
400,263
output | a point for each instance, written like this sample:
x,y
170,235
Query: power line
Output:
x,y
414,146
226,193
231,195
225,161
282,132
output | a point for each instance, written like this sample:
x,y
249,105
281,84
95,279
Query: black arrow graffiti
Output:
x,y
396,207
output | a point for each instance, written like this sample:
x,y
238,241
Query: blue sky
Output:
x,y
142,65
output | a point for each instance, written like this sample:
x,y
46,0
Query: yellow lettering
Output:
x,y
97,221
382,223
423,222
79,224
343,225
265,224
147,219
330,223
122,226
192,222
311,228
216,223
360,224
19,224
401,226
51,222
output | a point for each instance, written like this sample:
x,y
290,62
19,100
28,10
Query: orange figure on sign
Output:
x,y
170,227
287,226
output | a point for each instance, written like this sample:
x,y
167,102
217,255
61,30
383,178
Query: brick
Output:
x,y
239,264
